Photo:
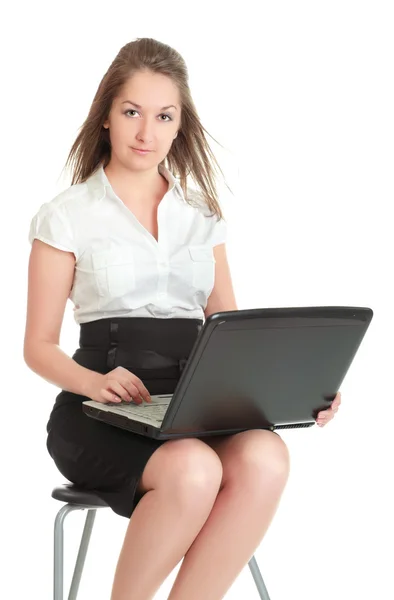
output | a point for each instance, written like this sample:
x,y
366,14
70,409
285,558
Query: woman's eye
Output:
x,y
134,111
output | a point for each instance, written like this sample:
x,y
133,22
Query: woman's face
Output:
x,y
153,126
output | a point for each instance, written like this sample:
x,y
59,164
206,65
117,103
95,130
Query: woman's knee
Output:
x,y
186,466
257,453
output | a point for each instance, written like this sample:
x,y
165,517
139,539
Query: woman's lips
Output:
x,y
141,151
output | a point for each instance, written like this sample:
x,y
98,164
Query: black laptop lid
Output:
x,y
269,367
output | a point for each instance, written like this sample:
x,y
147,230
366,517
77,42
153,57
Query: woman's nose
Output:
x,y
146,132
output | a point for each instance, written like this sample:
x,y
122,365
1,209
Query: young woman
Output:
x,y
142,257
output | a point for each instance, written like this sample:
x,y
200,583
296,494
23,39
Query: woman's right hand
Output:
x,y
117,385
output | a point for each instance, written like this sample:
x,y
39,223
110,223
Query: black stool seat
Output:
x,y
68,492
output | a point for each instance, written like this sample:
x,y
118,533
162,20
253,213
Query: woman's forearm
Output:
x,y
50,362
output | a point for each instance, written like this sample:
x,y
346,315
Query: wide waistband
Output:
x,y
129,329
141,342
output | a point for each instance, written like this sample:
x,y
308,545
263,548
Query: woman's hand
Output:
x,y
117,385
325,416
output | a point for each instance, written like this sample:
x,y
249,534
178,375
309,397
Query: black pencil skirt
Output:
x,y
99,456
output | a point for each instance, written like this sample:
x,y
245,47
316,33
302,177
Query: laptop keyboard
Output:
x,y
153,410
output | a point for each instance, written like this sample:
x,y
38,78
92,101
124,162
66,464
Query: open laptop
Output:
x,y
262,368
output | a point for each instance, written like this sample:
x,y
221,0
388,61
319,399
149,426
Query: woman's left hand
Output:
x,y
325,416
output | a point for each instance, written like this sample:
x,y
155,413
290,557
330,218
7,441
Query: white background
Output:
x,y
300,94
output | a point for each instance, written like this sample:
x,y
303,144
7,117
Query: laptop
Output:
x,y
261,368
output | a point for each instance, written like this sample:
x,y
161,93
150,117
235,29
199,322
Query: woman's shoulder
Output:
x,y
196,201
67,201
204,219
71,195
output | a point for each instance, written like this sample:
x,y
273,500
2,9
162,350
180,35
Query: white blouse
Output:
x,y
121,270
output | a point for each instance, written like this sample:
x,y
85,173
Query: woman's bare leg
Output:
x,y
255,471
183,478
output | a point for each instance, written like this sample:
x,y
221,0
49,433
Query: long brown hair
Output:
x,y
189,154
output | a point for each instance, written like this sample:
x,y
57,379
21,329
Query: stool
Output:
x,y
80,499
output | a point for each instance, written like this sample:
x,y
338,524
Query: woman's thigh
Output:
x,y
94,454
259,449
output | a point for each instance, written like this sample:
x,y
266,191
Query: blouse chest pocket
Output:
x,y
203,268
114,272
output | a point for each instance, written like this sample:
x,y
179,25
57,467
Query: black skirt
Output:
x,y
98,456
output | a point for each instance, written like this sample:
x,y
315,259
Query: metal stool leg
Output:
x,y
83,548
258,579
58,566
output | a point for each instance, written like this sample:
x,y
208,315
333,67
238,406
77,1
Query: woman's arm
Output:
x,y
51,273
222,297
